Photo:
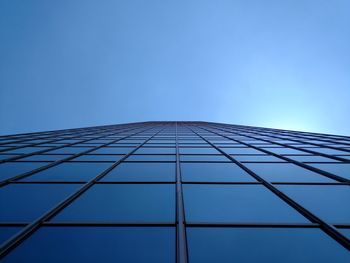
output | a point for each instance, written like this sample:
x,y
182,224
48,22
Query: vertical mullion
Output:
x,y
181,242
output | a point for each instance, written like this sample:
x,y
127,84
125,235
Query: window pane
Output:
x,y
310,158
150,150
72,150
345,232
241,151
7,231
341,169
283,150
8,170
204,158
7,156
139,172
97,244
145,158
123,203
285,172
98,158
47,157
202,150
236,204
26,202
69,172
27,150
257,158
330,202
251,245
112,150
214,172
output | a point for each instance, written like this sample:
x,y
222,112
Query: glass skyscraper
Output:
x,y
174,192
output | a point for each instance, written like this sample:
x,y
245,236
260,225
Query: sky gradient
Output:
x,y
75,63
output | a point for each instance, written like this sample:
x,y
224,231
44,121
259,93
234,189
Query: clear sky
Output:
x,y
272,63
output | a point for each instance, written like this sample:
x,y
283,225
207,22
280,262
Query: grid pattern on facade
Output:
x,y
174,192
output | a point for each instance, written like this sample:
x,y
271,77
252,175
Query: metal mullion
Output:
x,y
51,164
17,157
15,240
308,167
181,241
329,229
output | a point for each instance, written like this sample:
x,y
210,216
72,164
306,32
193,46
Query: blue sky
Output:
x,y
75,63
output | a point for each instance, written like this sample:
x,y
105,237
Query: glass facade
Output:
x,y
174,192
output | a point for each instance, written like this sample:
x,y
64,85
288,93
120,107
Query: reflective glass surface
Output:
x,y
112,150
329,202
251,245
148,172
26,202
7,231
97,244
284,172
214,172
202,150
123,203
342,170
236,204
67,172
8,170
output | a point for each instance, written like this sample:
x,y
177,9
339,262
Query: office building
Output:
x,y
174,192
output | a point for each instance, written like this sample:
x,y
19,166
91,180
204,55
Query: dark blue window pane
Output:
x,y
69,172
285,172
241,151
214,172
148,172
149,150
283,150
27,150
328,151
330,202
257,158
236,204
7,156
6,232
341,169
252,245
113,150
46,157
204,158
202,150
26,202
97,158
145,158
123,203
70,150
97,244
345,232
310,158
8,170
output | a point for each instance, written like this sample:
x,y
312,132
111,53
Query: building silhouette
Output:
x,y
174,192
